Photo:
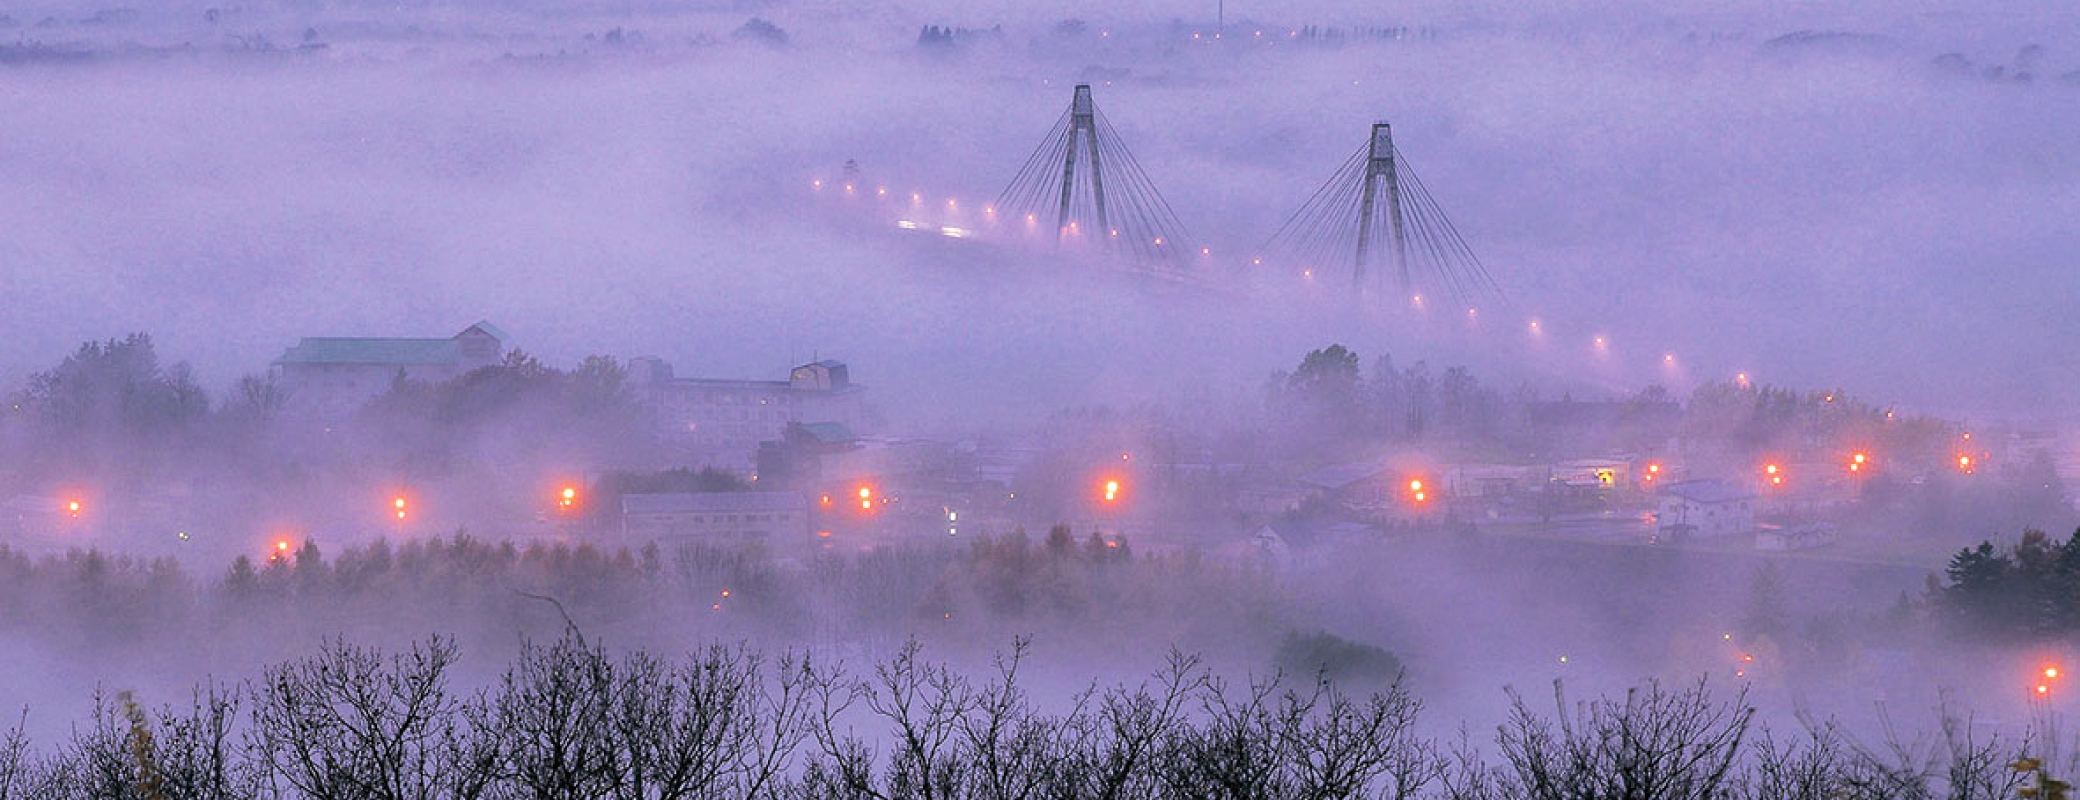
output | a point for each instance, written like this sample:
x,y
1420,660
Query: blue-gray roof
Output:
x,y
383,350
829,432
712,503
487,327
330,350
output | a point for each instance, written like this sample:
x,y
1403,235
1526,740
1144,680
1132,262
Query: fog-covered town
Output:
x,y
600,399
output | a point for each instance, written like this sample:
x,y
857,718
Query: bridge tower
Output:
x,y
1379,175
1378,189
1083,126
1100,197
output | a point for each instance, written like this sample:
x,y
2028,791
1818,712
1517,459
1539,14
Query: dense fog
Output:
x,y
463,327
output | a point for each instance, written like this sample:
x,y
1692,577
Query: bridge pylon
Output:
x,y
1376,196
1084,179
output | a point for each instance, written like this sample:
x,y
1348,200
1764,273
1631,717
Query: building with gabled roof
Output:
x,y
335,375
1703,508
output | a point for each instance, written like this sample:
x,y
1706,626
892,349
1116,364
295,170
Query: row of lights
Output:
x,y
1600,343
990,211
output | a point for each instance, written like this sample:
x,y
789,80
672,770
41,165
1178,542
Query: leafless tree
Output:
x,y
1267,741
569,721
923,705
1112,743
1012,743
1236,750
346,724
1808,769
1347,748
15,763
717,727
1465,773
1952,763
1655,745
551,718
198,752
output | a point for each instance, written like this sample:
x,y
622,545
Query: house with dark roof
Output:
x,y
336,375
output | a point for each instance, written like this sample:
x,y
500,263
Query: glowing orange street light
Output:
x,y
2051,672
1775,473
72,508
866,498
1964,464
398,503
567,498
1111,490
1415,490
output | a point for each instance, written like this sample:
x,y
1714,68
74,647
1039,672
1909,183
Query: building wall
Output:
x,y
721,423
719,526
478,349
1732,517
340,389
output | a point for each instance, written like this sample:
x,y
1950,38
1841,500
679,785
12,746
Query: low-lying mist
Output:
x,y
1720,197
1815,259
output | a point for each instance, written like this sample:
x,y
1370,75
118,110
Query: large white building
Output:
x,y
334,376
720,422
1703,508
716,517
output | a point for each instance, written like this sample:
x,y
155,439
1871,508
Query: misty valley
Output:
x,y
599,399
